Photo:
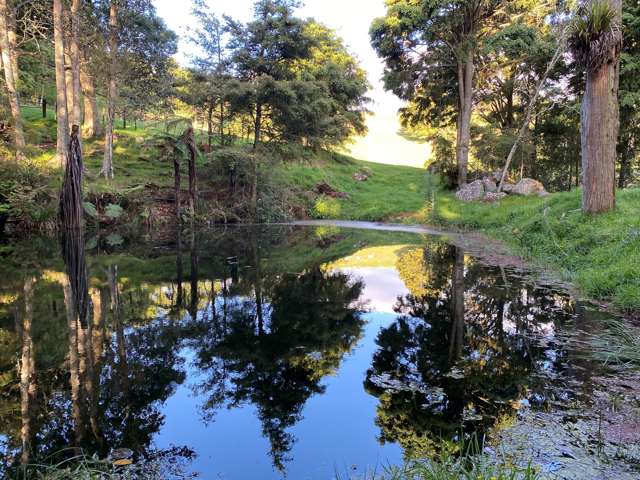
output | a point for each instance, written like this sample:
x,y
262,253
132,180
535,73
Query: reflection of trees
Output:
x,y
274,349
460,353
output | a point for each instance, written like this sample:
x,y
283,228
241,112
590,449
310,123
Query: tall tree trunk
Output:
x,y
107,161
209,126
91,124
221,123
190,142
10,62
626,157
466,70
257,126
600,127
61,91
74,56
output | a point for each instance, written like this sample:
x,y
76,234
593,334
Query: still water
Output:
x,y
271,352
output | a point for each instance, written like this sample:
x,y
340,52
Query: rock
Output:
x,y
324,188
494,196
528,186
360,177
489,184
471,191
121,454
508,187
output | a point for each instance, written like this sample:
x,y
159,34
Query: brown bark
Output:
x,y
599,134
190,143
466,71
91,124
10,65
61,91
74,56
107,162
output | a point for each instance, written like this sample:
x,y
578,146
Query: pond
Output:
x,y
275,351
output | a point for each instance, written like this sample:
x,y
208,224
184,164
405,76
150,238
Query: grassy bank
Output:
x,y
600,254
143,185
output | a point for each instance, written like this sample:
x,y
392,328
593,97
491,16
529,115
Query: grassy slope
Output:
x,y
601,255
391,190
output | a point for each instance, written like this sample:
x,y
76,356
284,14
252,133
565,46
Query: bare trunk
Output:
x,y
456,338
91,124
466,72
61,91
257,127
190,143
107,162
530,108
221,123
74,56
600,127
209,126
10,65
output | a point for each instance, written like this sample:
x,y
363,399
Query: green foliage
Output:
x,y
25,195
595,31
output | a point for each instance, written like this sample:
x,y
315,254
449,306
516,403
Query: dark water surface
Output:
x,y
273,351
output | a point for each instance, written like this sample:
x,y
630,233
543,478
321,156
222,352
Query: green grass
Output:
x,y
599,254
390,191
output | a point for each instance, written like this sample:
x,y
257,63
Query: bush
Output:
x,y
26,199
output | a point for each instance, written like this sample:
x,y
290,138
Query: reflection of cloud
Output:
x,y
382,287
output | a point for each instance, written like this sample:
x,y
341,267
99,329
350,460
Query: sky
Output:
x,y
351,19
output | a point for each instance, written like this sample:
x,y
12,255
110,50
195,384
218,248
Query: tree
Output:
x,y
61,91
212,78
430,48
107,161
596,42
10,64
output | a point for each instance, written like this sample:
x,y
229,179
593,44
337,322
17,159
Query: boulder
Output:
x,y
489,184
508,187
471,191
528,186
494,196
360,177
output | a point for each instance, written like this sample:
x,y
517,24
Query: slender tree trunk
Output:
x,y
176,184
10,64
107,162
626,157
61,91
600,127
209,125
257,127
44,107
91,124
466,72
221,123
74,56
190,143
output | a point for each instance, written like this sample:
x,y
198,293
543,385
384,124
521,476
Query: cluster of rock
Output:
x,y
487,189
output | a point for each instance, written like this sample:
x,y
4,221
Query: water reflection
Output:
x,y
463,350
95,341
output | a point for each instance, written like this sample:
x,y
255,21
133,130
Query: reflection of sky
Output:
x,y
382,286
337,434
